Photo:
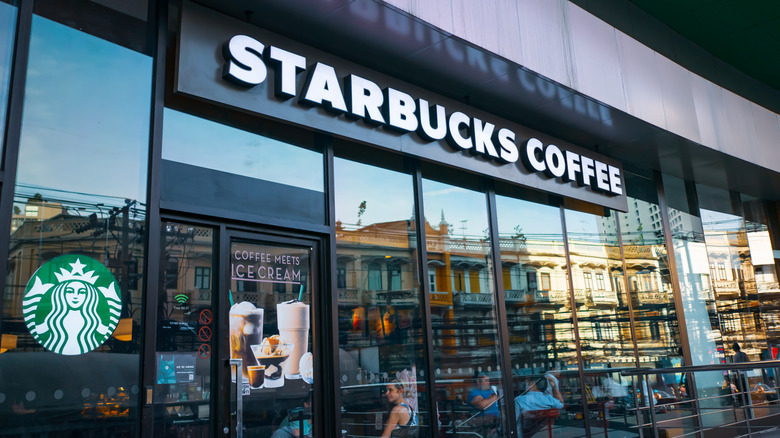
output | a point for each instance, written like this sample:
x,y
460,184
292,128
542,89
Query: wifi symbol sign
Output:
x,y
181,298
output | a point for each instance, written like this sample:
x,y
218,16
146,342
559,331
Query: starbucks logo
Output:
x,y
71,304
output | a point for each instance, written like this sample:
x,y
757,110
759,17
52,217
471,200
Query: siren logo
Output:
x,y
71,304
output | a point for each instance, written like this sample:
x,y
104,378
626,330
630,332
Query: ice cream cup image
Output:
x,y
293,323
306,367
246,329
270,354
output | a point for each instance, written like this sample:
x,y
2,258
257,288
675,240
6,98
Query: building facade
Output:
x,y
365,218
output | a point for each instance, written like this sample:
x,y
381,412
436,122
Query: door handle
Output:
x,y
238,364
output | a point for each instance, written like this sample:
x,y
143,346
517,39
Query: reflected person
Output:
x,y
535,398
292,429
401,415
483,397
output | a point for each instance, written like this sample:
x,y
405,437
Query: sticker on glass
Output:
x,y
71,304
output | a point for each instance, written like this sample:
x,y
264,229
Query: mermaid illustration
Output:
x,y
73,325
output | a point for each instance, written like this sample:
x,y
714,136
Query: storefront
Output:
x,y
217,227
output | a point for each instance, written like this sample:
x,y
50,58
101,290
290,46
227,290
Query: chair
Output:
x,y
534,421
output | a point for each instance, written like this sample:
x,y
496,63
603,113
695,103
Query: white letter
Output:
x,y
244,56
287,66
506,138
602,177
322,88
615,184
587,171
531,162
454,137
572,165
482,137
426,131
399,110
556,165
365,98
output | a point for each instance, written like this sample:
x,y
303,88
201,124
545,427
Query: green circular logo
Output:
x,y
71,304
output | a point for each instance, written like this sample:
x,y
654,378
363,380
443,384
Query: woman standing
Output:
x,y
402,415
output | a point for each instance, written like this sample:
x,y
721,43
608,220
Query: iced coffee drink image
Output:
x,y
246,329
270,354
293,322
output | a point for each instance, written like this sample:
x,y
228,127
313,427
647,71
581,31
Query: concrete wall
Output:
x,y
569,45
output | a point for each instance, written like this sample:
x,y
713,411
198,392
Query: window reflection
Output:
x,y
185,331
602,316
648,272
538,311
8,26
704,335
744,283
463,313
380,337
192,140
277,179
79,191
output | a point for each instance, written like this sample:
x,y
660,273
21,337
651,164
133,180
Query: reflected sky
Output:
x,y
465,210
717,221
389,195
85,127
586,226
536,221
8,26
199,142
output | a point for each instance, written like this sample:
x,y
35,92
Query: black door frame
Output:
x,y
322,302
225,237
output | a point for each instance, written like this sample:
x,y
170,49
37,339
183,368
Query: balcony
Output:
x,y
441,299
652,297
726,288
464,299
350,297
603,297
515,296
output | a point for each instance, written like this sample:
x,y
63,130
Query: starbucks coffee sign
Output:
x,y
238,65
72,305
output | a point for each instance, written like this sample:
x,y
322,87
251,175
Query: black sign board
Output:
x,y
232,63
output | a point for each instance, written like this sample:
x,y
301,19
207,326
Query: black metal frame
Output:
x,y
13,130
425,295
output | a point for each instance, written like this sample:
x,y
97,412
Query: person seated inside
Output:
x,y
401,415
292,429
535,398
483,397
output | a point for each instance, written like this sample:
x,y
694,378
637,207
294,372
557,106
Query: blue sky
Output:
x,y
85,126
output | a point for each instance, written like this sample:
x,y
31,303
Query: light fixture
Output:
x,y
124,330
7,342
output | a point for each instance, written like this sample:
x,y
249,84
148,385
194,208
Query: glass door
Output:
x,y
269,302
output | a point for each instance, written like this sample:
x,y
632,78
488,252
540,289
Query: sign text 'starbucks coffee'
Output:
x,y
72,305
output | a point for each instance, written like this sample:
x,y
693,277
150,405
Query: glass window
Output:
x,y
745,289
185,333
693,271
603,319
270,331
202,277
278,179
648,271
380,330
546,284
8,26
542,349
72,285
463,313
